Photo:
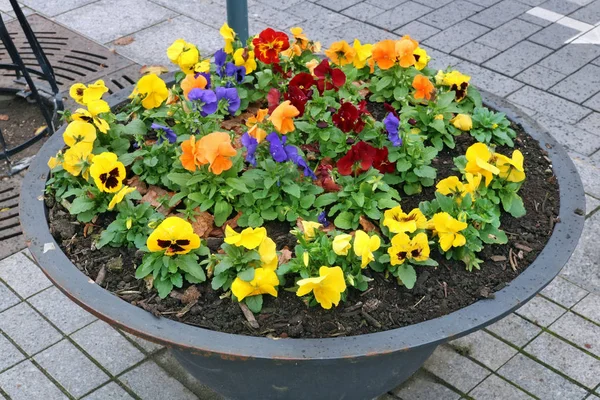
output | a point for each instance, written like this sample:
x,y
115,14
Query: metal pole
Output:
x,y
237,18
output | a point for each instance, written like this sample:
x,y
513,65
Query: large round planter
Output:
x,y
358,367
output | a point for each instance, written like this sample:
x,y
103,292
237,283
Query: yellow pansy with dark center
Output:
x,y
397,221
173,236
108,172
457,82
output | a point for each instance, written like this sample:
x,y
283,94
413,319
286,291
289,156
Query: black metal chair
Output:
x,y
49,101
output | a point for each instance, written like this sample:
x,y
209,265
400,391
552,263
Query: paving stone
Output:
x,y
270,16
582,268
591,123
539,380
10,354
440,60
52,8
387,4
421,386
281,4
475,52
461,372
588,168
509,34
535,20
71,368
456,36
541,311
60,310
571,57
22,275
125,17
567,359
593,103
485,348
364,32
589,308
500,13
450,14
485,3
417,31
573,138
168,362
337,5
517,58
204,11
108,347
540,77
550,104
25,382
28,329
553,36
401,15
579,86
495,388
151,382
112,391
7,297
591,204
564,292
489,80
580,331
590,13
324,23
363,11
434,3
149,46
148,346
560,6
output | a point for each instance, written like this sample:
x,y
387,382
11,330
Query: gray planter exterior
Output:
x,y
358,367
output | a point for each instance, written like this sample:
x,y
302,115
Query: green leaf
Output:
x,y
445,99
81,204
359,198
255,220
307,201
105,238
344,220
403,165
517,208
269,214
446,203
180,179
326,199
407,275
176,280
222,211
190,265
425,171
400,92
292,189
164,287
246,275
145,268
218,281
438,125
254,303
490,234
135,127
383,83
237,184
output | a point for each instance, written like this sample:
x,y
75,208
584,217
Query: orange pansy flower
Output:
x,y
341,53
215,149
384,54
405,48
190,152
252,122
190,82
423,87
282,117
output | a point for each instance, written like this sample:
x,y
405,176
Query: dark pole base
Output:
x,y
237,18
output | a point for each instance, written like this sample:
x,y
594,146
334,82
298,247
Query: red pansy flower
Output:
x,y
324,177
273,98
303,81
382,163
268,44
345,118
329,78
359,159
297,97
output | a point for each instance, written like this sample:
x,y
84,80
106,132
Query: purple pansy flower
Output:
x,y
220,58
251,144
206,75
168,133
231,96
206,100
391,126
323,219
230,69
282,152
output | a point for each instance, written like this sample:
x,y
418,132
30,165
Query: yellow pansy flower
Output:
x,y
473,182
83,94
478,162
363,52
511,169
92,114
245,58
447,228
264,282
173,236
54,162
306,258
250,238
450,185
268,253
327,288
108,172
340,53
309,227
439,116
421,57
184,54
80,132
462,122
202,66
119,196
153,90
341,244
311,65
397,221
404,248
229,36
364,246
457,82
439,77
77,159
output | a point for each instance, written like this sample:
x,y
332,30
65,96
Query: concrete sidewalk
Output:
x,y
544,56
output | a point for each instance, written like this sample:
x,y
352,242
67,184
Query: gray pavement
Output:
x,y
544,56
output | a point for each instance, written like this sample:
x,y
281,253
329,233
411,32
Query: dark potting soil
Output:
x,y
385,305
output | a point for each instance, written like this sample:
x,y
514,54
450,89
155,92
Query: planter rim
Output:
x,y
108,307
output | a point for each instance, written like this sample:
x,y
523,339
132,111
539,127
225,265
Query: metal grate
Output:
x,y
73,57
11,236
